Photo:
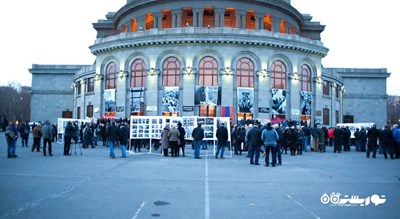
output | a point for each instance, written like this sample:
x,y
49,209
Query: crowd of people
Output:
x,y
267,140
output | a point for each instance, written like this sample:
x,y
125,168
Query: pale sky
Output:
x,y
358,33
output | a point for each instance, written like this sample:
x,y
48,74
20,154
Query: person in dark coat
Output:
x,y
372,135
255,142
69,134
112,132
222,137
11,135
182,134
198,135
123,138
292,141
337,142
387,142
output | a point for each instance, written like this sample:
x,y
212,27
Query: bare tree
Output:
x,y
15,103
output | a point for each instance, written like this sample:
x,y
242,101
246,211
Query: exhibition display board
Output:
x,y
62,123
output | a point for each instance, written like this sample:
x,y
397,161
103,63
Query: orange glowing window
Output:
x,y
230,18
283,26
208,71
149,21
208,17
292,29
267,22
166,19
124,28
133,25
187,17
251,20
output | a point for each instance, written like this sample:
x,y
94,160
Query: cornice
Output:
x,y
192,35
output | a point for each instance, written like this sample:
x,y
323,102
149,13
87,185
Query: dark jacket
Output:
x,y
254,137
182,134
123,135
112,133
198,133
222,135
69,131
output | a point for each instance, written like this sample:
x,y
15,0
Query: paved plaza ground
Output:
x,y
152,186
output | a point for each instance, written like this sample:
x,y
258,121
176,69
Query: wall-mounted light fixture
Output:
x,y
189,71
152,72
98,77
187,24
342,89
318,80
294,76
333,84
73,86
226,71
122,74
263,73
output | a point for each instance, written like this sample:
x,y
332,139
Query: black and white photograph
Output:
x,y
206,95
136,98
170,99
109,100
245,99
278,101
305,103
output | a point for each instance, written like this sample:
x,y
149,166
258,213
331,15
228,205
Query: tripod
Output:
x,y
80,148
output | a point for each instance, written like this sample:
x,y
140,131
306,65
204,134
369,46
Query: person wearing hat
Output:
x,y
222,137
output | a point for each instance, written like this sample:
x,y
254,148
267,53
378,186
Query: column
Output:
x,y
276,24
241,19
218,19
157,20
197,17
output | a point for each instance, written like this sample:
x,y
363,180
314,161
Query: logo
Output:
x,y
354,200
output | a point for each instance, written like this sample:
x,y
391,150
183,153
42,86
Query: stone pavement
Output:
x,y
152,186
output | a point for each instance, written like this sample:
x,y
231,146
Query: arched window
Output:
x,y
283,26
111,75
149,21
138,73
208,72
171,72
305,78
278,75
133,25
267,22
244,73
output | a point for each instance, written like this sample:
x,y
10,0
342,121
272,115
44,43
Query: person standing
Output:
x,y
182,134
396,141
331,136
123,138
337,133
363,139
173,137
112,138
23,132
37,135
315,135
372,135
69,134
198,135
11,138
165,139
306,137
222,137
47,132
254,140
387,141
270,139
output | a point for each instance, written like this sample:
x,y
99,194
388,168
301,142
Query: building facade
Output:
x,y
253,59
